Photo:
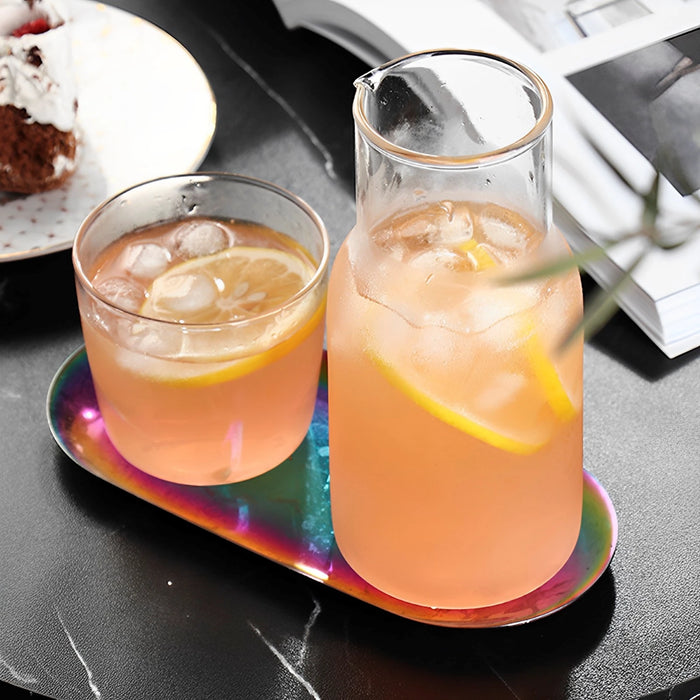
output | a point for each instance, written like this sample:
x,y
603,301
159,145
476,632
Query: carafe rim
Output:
x,y
503,153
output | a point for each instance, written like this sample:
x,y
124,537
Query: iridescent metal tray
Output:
x,y
284,515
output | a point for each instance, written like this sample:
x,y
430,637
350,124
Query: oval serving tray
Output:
x,y
284,515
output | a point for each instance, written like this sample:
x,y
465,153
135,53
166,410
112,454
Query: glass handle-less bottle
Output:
x,y
455,419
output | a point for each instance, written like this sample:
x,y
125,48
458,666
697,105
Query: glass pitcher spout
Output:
x,y
423,125
370,80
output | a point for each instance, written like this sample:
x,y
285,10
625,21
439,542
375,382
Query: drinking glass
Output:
x,y
201,376
455,414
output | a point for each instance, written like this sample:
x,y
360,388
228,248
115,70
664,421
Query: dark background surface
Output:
x,y
105,596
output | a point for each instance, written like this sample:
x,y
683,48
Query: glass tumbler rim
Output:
x,y
320,266
485,158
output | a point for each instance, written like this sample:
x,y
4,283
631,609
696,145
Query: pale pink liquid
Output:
x,y
198,417
435,512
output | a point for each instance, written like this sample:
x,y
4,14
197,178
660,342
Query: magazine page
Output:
x,y
551,24
378,30
626,79
638,109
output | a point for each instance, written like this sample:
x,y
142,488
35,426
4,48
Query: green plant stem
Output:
x,y
603,305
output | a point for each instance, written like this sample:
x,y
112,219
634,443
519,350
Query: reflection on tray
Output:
x,y
284,515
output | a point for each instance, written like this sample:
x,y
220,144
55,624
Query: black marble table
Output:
x,y
104,596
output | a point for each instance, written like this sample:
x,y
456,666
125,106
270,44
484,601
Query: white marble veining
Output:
x,y
293,669
91,683
272,94
307,629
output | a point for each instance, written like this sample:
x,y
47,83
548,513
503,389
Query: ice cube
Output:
x,y
146,260
196,239
440,223
156,341
489,307
184,294
506,232
440,258
455,223
406,235
121,292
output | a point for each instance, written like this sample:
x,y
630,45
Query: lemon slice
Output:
x,y
478,254
235,369
236,284
538,361
547,375
451,417
541,364
233,284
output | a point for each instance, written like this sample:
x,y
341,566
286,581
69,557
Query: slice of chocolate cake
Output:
x,y
38,103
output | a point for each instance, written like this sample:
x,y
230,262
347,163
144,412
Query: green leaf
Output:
x,y
560,266
602,306
650,214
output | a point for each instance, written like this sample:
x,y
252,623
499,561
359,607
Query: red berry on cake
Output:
x,y
34,26
38,100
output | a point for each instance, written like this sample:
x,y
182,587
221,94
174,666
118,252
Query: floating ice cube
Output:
x,y
490,306
439,258
146,260
121,292
454,222
184,295
152,340
444,223
407,235
196,239
506,231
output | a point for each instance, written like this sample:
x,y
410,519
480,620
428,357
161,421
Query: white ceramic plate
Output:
x,y
145,110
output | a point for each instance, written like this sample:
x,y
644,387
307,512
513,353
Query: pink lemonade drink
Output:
x,y
456,426
204,337
455,414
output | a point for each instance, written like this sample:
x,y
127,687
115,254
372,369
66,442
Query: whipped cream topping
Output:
x,y
61,164
36,71
15,13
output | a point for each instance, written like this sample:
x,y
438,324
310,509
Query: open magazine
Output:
x,y
625,75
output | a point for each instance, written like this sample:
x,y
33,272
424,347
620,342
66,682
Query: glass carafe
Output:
x,y
455,416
